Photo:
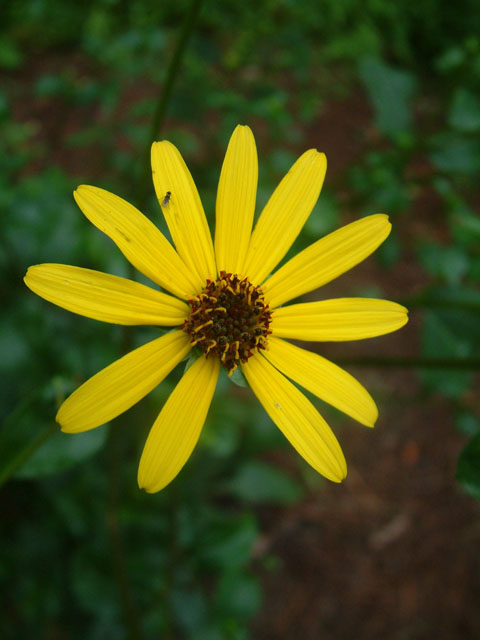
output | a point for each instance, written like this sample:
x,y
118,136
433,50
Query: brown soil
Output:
x,y
391,553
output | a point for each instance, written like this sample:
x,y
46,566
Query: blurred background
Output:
x,y
247,542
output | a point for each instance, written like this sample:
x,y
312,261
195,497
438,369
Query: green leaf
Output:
x,y
50,85
450,60
391,92
11,56
192,357
259,482
91,583
323,219
221,434
390,251
238,378
190,607
443,338
448,263
62,451
468,468
465,111
452,152
455,295
238,595
227,542
467,423
465,225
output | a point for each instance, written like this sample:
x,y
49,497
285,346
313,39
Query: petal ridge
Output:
x,y
338,319
104,297
285,214
184,212
327,259
175,432
236,196
296,417
122,384
140,241
326,380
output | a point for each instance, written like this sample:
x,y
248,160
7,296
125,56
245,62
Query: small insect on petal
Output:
x,y
166,200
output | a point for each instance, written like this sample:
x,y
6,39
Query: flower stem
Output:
x,y
117,542
158,119
425,301
26,452
413,363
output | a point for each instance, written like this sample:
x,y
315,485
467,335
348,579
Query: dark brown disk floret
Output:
x,y
229,319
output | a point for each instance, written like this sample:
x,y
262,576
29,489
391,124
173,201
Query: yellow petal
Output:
x,y
183,212
177,429
297,418
326,259
323,378
122,384
104,297
338,320
285,214
237,191
144,246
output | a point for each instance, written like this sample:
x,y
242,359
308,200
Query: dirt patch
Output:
x,y
390,554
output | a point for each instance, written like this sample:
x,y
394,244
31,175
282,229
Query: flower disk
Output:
x,y
229,319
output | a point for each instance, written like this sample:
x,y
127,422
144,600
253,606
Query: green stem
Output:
x,y
26,452
173,562
413,363
118,550
162,104
423,301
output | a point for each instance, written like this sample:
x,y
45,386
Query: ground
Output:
x,y
388,554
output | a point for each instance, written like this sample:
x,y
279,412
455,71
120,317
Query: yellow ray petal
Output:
x,y
104,297
326,259
297,418
323,378
122,384
338,320
177,428
184,211
285,214
144,246
237,191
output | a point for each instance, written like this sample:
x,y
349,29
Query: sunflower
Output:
x,y
224,302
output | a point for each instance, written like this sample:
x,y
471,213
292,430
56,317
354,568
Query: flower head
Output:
x,y
223,301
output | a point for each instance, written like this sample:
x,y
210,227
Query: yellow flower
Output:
x,y
225,302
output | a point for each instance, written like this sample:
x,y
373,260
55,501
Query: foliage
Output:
x,y
89,74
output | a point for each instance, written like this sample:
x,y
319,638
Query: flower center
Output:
x,y
229,319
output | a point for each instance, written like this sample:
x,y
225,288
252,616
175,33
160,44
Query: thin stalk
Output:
x,y
413,363
173,562
158,119
117,542
423,301
21,457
